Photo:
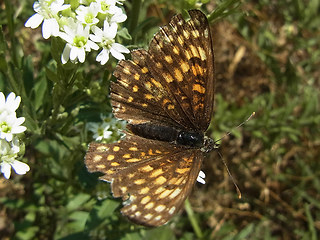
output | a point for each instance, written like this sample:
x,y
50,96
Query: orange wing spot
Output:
x,y
160,208
137,214
102,148
97,158
184,66
158,151
186,34
165,193
156,173
175,193
188,54
182,170
133,149
202,53
148,85
135,88
195,33
148,96
168,59
167,77
144,105
146,199
194,51
131,175
140,181
101,166
127,155
147,168
149,206
144,70
109,172
123,189
130,99
114,164
198,88
171,210
159,190
116,148
142,154
137,76
176,50
156,83
178,75
159,65
144,190
180,40
194,70
126,70
132,160
199,69
165,101
170,106
160,180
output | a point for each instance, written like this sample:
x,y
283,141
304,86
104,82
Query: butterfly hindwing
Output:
x,y
153,178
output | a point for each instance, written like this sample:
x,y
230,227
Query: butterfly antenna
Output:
x,y
234,182
224,162
228,133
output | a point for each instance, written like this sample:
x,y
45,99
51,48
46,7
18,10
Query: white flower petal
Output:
x,y
120,48
73,53
81,55
18,129
103,56
6,169
66,53
13,102
34,21
117,54
2,100
20,167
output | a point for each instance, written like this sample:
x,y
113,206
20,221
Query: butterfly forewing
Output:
x,y
173,81
153,178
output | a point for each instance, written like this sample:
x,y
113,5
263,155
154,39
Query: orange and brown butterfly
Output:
x,y
166,94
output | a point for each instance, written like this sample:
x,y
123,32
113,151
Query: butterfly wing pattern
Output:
x,y
166,94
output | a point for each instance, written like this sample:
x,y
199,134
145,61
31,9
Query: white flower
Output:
x,y
10,104
201,177
100,131
46,12
117,15
87,15
9,125
104,5
77,43
8,155
107,42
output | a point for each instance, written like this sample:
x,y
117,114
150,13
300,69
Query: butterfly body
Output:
x,y
168,134
166,94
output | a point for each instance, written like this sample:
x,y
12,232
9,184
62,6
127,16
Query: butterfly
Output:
x,y
166,94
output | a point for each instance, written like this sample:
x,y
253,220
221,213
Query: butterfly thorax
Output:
x,y
169,134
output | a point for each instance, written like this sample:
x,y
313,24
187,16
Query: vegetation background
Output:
x,y
267,60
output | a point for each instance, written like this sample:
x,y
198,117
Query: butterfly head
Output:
x,y
208,145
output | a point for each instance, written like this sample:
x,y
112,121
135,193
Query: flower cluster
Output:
x,y
10,126
108,130
84,25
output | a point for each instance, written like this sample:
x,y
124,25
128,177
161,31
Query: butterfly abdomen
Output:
x,y
168,134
